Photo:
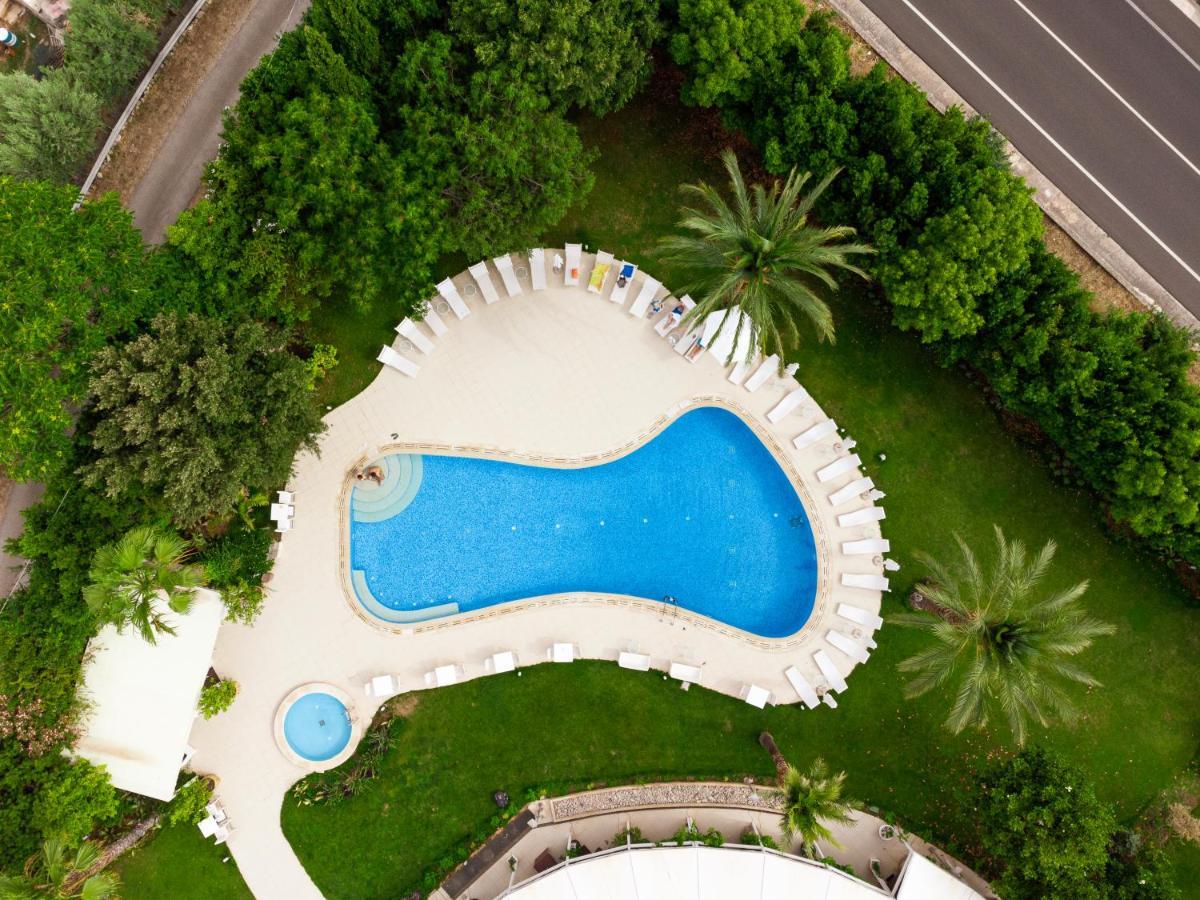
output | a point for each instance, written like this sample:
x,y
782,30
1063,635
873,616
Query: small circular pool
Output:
x,y
317,726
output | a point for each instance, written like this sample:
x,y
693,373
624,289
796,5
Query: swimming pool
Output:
x,y
701,513
317,726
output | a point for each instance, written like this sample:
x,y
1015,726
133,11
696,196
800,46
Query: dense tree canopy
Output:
x,y
72,281
108,44
192,413
47,127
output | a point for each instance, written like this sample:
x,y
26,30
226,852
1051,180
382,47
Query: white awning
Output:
x,y
143,697
921,878
720,330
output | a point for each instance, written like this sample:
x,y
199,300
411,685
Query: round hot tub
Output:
x,y
315,726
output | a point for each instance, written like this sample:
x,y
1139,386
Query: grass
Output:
x,y
180,862
950,468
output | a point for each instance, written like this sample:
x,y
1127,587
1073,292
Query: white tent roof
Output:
x,y
733,319
923,878
144,696
693,873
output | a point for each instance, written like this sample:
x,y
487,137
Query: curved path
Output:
x,y
555,374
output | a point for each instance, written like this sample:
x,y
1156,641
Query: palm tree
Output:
x,y
761,254
811,799
128,575
767,740
1004,640
52,873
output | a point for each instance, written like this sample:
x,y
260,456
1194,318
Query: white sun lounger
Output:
x,y
838,467
627,270
639,662
444,675
668,322
645,297
504,266
451,295
766,369
829,700
562,653
866,582
434,322
789,402
479,272
571,272
859,616
862,516
689,344
391,358
856,488
832,676
605,259
409,331
850,647
742,368
810,436
756,696
498,663
805,690
537,268
381,687
685,673
873,546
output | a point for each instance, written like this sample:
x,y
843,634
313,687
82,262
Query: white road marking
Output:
x,y
1188,8
1108,87
1166,37
1053,142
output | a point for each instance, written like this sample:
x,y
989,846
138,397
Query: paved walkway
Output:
x,y
560,373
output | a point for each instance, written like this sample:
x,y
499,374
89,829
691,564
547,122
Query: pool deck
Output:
x,y
557,375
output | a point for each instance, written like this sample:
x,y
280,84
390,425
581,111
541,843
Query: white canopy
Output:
x,y
144,696
730,323
923,878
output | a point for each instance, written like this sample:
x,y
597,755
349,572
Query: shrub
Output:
x,y
632,835
47,127
751,837
108,44
187,806
216,698
73,800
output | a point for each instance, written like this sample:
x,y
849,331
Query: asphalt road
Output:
x,y
173,179
1103,97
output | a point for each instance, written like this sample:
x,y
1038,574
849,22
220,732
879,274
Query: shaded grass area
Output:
x,y
950,467
180,862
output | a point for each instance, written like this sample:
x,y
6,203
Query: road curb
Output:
x,y
1073,220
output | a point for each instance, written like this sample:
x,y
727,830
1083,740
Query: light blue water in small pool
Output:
x,y
702,513
317,727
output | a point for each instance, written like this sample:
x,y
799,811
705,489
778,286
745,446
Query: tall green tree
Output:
x,y
193,413
1004,640
56,873
588,53
47,127
762,255
108,44
131,577
811,799
72,281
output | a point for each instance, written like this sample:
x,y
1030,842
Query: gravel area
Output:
x,y
674,794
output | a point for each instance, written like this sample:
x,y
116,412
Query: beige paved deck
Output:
x,y
559,373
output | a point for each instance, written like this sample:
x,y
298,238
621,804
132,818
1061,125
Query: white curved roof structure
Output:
x,y
698,872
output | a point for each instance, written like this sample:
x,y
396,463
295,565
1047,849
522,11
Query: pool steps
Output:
x,y
401,481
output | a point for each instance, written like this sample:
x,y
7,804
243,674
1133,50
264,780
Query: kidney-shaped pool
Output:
x,y
702,514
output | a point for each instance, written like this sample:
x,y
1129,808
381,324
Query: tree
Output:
x,y
189,415
73,799
1041,821
588,53
762,256
54,874
47,128
811,799
128,577
767,741
729,47
108,45
1005,641
72,281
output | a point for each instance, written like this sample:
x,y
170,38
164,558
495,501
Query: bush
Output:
x,y
74,799
47,127
752,838
187,806
625,836
216,698
108,45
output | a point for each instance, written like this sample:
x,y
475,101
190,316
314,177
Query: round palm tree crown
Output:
x,y
811,799
128,575
761,255
1006,642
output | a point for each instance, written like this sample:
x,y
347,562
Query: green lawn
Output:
x,y
950,467
180,862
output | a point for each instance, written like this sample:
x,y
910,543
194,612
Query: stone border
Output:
x,y
311,766
665,795
585,598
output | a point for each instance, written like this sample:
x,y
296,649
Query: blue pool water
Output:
x,y
702,513
317,726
